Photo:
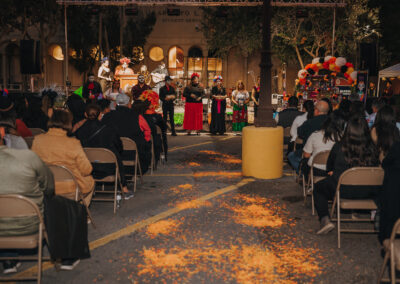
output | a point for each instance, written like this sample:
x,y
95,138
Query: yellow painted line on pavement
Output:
x,y
132,228
199,144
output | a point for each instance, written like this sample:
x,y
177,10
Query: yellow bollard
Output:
x,y
262,152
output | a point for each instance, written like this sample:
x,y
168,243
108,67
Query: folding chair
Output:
x,y
17,206
392,253
357,176
36,131
159,132
320,158
104,156
63,174
130,145
29,141
153,165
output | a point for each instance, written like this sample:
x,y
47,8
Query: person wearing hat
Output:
x,y
193,118
92,90
218,96
167,96
139,88
131,124
8,124
104,74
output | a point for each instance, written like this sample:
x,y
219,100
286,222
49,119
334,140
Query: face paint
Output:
x,y
91,79
141,79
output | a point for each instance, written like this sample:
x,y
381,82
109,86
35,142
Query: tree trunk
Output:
x,y
299,56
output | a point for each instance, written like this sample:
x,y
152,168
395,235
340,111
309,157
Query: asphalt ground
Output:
x,y
197,220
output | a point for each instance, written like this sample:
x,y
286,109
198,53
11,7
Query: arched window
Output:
x,y
195,61
156,53
214,67
55,51
175,61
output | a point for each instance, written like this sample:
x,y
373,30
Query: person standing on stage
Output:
x,y
104,75
92,91
139,88
193,118
240,99
255,96
218,96
167,96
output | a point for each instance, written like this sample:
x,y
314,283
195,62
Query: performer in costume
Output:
x,y
146,74
218,108
113,92
167,96
255,96
159,75
91,91
139,88
240,99
193,118
123,69
104,75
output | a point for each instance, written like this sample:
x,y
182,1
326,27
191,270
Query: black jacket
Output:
x,y
66,227
390,199
287,116
164,91
310,126
95,91
154,120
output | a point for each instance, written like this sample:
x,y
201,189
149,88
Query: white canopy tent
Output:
x,y
390,72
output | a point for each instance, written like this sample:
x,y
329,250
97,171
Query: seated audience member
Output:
x,y
56,147
105,107
328,101
375,106
112,93
20,105
357,109
390,197
344,108
95,134
155,119
384,131
49,96
34,116
356,149
308,108
286,117
8,122
131,124
77,106
323,140
21,172
304,131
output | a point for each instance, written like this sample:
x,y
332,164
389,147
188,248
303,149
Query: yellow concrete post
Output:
x,y
262,152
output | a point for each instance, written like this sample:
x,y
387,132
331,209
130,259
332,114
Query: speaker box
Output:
x,y
30,57
368,58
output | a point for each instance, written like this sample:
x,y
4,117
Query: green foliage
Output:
x,y
240,28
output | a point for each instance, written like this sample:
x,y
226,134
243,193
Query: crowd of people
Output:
x,y
354,137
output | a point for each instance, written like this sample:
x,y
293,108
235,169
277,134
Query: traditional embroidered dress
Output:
x,y
218,109
239,119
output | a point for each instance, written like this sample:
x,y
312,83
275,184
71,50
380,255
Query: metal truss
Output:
x,y
282,3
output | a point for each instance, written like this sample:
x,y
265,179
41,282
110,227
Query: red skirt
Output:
x,y
193,119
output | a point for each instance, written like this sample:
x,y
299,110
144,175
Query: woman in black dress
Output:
x,y
218,108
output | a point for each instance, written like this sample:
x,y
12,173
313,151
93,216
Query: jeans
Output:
x,y
294,160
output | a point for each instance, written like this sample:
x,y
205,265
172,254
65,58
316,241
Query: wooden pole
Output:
x,y
333,31
100,35
66,57
121,30
265,112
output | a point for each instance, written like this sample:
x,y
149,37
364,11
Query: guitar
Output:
x,y
158,77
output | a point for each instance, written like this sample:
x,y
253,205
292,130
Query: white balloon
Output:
x,y
315,60
302,74
341,61
327,58
353,75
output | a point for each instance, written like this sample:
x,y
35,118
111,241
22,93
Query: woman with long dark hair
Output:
x,y
323,140
218,96
34,116
355,149
384,131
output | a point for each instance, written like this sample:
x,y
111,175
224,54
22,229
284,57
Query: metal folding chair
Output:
x,y
392,253
36,131
130,145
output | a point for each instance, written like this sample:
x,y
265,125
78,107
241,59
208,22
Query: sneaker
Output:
x,y
69,264
11,266
128,195
326,226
